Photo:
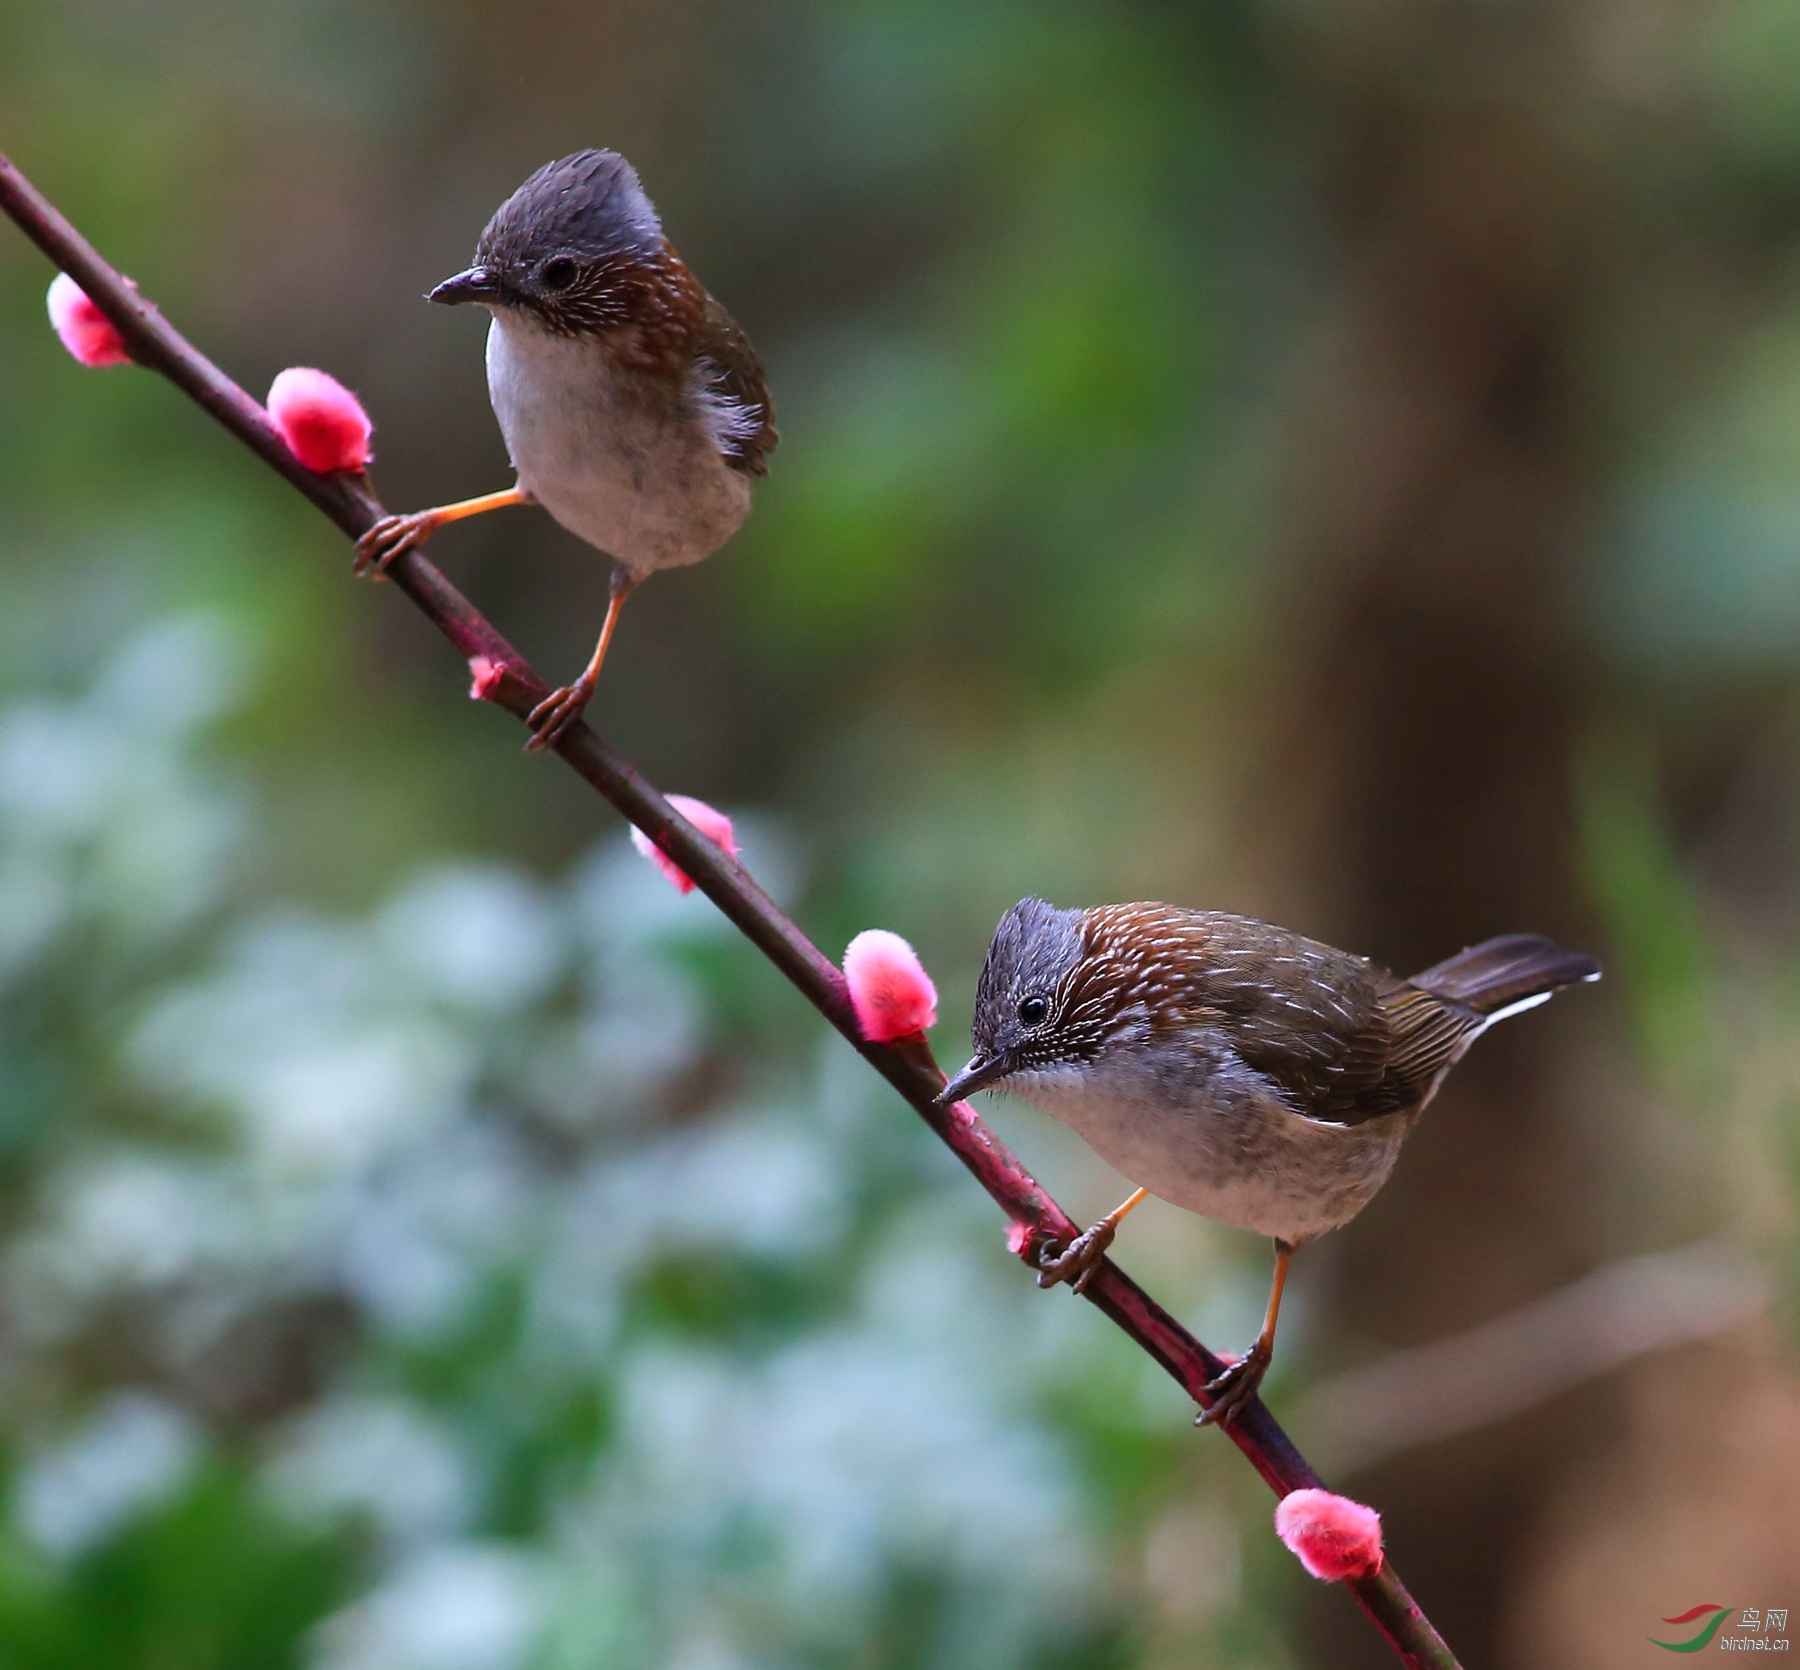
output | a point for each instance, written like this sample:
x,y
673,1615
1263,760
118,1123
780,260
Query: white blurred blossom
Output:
x,y
104,814
418,1237
132,1453
296,1035
383,1457
485,937
455,1606
751,1184
845,1453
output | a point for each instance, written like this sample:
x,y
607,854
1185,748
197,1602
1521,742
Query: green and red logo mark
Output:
x,y
1714,1614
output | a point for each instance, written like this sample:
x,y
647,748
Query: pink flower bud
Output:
x,y
893,995
485,676
85,331
1331,1536
1018,1238
714,825
322,422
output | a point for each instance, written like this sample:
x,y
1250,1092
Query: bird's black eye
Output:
x,y
1032,1010
558,274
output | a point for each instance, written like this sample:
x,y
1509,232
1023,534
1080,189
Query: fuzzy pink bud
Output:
x,y
485,677
1331,1536
711,823
893,995
1018,1238
85,331
322,422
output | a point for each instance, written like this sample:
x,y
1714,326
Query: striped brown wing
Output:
x,y
1388,1061
1304,1015
1344,1039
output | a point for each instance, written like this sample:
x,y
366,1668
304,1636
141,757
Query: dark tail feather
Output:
x,y
1504,973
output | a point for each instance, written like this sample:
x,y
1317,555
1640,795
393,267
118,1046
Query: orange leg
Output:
x,y
394,534
561,708
1078,1261
1237,1384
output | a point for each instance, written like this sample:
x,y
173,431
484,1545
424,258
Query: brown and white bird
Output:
x,y
1236,1069
633,406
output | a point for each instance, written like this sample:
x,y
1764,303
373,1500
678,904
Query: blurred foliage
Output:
x,y
421,1263
426,1243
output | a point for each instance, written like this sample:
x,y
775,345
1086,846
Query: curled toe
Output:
x,y
1078,1261
553,716
1234,1387
381,544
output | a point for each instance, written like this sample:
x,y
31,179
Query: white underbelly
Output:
x,y
648,487
1258,1167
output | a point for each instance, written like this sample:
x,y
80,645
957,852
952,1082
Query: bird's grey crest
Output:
x,y
589,206
1033,951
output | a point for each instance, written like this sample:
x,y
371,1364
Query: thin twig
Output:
x,y
1512,1362
350,502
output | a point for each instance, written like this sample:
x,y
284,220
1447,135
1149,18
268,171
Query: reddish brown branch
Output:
x,y
350,502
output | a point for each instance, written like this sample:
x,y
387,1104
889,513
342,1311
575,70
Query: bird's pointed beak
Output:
x,y
476,284
978,1075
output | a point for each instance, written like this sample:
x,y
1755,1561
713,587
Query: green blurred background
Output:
x,y
1337,463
